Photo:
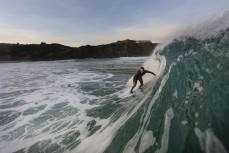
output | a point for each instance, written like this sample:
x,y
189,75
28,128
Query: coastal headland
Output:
x,y
44,51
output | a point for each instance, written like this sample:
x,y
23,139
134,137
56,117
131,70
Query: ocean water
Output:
x,y
50,106
83,106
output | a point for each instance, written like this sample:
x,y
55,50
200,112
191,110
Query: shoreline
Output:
x,y
20,61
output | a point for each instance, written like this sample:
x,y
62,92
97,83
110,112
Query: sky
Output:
x,y
94,22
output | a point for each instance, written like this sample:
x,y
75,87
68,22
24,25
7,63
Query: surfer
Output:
x,y
138,77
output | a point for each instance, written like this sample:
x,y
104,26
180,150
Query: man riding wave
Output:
x,y
138,77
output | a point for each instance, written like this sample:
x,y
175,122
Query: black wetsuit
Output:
x,y
138,76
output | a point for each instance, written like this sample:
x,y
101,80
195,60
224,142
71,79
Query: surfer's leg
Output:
x,y
141,82
134,84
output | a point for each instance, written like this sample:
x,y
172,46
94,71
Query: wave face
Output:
x,y
186,108
81,106
198,91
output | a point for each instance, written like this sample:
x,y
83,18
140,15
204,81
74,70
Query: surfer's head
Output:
x,y
142,69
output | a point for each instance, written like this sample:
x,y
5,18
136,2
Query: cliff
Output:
x,y
43,51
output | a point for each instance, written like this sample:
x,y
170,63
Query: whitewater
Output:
x,y
83,106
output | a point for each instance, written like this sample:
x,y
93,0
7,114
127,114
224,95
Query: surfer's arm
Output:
x,y
150,72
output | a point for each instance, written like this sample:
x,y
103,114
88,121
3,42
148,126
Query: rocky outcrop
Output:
x,y
43,51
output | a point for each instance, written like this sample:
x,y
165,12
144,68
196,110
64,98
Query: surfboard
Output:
x,y
128,95
125,95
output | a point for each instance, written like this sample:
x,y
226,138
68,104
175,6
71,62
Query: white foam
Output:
x,y
196,123
165,137
175,93
198,87
196,115
184,122
147,140
209,143
200,136
134,58
54,83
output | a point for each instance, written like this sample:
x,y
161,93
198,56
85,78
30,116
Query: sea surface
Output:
x,y
84,106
